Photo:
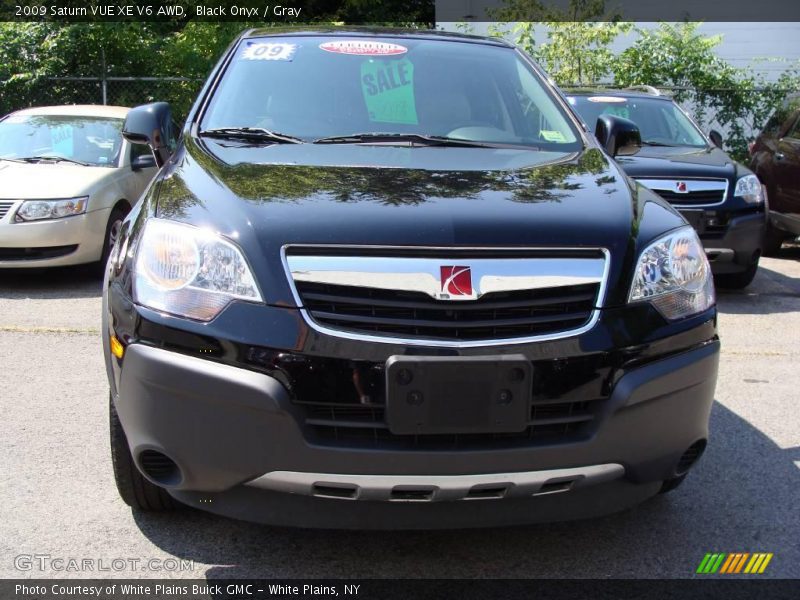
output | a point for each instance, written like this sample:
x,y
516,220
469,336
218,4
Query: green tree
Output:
x,y
679,57
577,50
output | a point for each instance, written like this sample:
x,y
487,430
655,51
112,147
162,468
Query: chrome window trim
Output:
x,y
701,183
433,343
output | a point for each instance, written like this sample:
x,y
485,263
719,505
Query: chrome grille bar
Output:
x,y
400,297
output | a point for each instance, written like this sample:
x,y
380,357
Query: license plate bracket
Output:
x,y
428,395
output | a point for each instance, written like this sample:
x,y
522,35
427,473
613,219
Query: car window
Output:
x,y
314,87
794,131
659,120
779,119
92,140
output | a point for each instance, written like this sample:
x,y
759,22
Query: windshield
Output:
x,y
321,87
90,140
660,121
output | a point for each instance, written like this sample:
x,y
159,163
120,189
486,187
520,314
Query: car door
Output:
x,y
786,168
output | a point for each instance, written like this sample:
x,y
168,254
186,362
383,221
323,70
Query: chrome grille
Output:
x,y
510,297
5,206
413,314
698,192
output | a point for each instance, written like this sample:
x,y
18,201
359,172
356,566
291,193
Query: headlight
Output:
x,y
190,272
37,210
674,275
749,188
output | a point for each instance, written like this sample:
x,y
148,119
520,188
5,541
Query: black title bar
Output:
x,y
400,589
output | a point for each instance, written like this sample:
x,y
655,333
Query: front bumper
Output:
x,y
53,243
234,434
734,248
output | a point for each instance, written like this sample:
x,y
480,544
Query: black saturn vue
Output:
x,y
722,199
388,280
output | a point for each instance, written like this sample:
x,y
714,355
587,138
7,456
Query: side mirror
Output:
x,y
143,161
150,124
620,137
715,137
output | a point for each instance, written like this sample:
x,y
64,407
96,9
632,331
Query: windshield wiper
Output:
x,y
16,160
54,159
251,134
661,144
412,138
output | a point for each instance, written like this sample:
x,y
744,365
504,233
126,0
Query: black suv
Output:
x,y
721,198
388,280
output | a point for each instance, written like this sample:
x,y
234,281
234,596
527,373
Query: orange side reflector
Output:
x,y
117,349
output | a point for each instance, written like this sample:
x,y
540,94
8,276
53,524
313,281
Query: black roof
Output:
x,y
349,30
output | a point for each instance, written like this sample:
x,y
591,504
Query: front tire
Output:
x,y
737,281
135,490
773,240
113,228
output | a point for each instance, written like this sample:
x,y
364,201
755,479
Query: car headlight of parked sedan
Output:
x,y
750,189
39,210
674,275
190,272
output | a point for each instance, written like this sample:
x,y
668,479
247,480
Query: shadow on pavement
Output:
x,y
738,499
51,283
771,291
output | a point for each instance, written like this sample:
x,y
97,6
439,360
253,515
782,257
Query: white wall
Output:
x,y
743,44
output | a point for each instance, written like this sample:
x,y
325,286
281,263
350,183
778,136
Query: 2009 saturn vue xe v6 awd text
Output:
x,y
389,280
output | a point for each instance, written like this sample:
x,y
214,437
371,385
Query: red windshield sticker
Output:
x,y
363,48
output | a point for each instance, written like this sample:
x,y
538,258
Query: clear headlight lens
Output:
x,y
190,272
37,210
674,275
750,188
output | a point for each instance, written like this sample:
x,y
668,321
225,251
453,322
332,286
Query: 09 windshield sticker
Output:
x,y
388,89
268,51
363,48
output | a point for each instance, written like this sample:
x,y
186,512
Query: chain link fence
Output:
x,y
118,91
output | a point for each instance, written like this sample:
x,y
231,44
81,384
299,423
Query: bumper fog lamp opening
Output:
x,y
690,457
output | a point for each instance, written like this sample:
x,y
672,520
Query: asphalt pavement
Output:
x,y
59,503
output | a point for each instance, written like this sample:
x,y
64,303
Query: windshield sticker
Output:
x,y
615,99
388,88
269,51
363,48
553,136
61,140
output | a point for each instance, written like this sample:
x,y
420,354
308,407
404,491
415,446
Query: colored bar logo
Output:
x,y
733,563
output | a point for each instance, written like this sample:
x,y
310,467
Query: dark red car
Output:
x,y
776,161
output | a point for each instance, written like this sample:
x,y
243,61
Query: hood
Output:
x,y
268,197
657,161
40,181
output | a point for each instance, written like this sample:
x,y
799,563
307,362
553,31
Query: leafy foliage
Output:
x,y
31,53
678,57
675,56
576,50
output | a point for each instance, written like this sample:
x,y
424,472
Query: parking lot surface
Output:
x,y
59,499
